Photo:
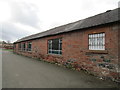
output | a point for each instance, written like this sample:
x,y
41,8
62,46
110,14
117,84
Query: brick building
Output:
x,y
5,45
91,44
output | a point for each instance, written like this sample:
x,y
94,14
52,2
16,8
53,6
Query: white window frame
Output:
x,y
20,46
50,50
29,49
96,41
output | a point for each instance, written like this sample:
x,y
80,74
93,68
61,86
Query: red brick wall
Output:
x,y
118,26
75,48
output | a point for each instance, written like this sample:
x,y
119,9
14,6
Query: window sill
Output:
x,y
28,51
97,52
24,51
58,55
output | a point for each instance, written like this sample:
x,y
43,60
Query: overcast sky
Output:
x,y
20,18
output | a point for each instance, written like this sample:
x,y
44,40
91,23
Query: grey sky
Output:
x,y
32,16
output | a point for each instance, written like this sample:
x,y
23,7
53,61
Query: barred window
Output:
x,y
55,46
29,46
23,45
97,41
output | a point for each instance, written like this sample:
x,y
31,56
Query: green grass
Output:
x,y
8,49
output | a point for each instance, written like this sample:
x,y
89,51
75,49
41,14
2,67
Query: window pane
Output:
x,y
49,51
55,44
60,52
29,46
60,46
50,45
55,52
24,46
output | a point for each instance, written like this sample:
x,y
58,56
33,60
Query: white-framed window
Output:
x,y
19,46
55,46
29,46
23,46
97,41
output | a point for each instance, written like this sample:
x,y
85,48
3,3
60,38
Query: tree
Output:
x,y
3,42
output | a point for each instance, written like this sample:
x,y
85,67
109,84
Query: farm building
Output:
x,y
91,44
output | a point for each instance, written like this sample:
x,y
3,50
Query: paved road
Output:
x,y
24,72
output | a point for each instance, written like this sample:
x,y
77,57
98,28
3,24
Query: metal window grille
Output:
x,y
55,46
23,46
97,41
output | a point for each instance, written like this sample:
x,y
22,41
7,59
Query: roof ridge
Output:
x,y
91,21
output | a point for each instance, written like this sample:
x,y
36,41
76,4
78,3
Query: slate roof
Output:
x,y
100,19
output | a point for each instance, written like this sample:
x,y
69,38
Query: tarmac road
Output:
x,y
23,72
